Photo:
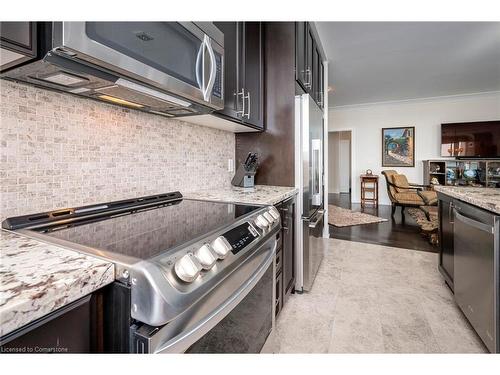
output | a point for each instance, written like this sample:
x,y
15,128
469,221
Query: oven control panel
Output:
x,y
204,260
240,237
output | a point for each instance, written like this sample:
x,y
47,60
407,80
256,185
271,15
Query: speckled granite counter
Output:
x,y
487,198
37,278
260,194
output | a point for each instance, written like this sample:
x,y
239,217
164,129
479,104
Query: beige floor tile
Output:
x,y
375,299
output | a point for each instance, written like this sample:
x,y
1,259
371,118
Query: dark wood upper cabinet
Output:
x,y
308,62
243,73
253,85
300,53
232,46
18,43
318,79
309,59
321,83
314,74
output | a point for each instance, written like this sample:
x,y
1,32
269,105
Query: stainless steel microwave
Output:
x,y
171,68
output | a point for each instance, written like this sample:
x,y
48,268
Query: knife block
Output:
x,y
243,177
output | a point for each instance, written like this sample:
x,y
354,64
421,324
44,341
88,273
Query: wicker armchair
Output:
x,y
404,194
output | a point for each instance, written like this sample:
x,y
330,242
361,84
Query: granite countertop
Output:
x,y
487,198
37,278
260,194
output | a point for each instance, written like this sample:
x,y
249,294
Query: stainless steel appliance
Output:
x,y
476,270
309,180
168,68
191,276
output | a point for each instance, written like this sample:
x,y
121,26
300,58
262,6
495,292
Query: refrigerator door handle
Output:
x,y
317,218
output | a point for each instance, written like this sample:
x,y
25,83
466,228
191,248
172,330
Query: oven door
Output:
x,y
236,317
177,57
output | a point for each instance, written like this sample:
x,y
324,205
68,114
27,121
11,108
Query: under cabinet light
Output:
x,y
112,99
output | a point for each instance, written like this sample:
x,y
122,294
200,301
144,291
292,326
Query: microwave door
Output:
x,y
166,55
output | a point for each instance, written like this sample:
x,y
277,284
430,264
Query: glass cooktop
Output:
x,y
144,234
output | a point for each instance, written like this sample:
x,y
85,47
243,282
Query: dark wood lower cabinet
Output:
x,y
285,254
66,330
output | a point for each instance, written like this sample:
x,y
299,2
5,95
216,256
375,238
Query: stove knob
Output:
x,y
274,212
206,257
221,247
269,217
262,222
187,268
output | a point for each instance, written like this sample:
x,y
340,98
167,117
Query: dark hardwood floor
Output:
x,y
393,232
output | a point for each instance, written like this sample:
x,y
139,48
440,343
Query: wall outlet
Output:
x,y
230,165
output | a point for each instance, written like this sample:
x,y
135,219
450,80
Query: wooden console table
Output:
x,y
369,184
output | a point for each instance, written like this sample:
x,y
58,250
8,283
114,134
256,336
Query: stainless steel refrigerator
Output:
x,y
309,180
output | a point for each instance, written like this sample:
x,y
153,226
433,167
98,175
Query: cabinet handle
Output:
x,y
242,112
247,97
450,213
308,78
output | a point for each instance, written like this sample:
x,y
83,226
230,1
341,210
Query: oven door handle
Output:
x,y
185,339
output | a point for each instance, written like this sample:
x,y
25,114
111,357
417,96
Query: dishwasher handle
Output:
x,y
474,223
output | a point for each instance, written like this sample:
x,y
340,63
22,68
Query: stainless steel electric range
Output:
x,y
191,276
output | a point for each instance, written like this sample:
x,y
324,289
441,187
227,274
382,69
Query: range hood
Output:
x,y
72,64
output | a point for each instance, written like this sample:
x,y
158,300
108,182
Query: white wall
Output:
x,y
333,162
338,163
426,115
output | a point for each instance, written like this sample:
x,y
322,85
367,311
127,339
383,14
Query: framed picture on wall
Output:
x,y
398,147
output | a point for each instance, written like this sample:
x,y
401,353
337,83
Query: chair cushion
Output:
x,y
402,181
409,197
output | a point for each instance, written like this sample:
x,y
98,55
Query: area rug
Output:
x,y
342,217
429,227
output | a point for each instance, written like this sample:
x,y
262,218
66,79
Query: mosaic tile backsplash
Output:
x,y
57,150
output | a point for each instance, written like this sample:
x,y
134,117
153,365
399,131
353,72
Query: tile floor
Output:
x,y
375,299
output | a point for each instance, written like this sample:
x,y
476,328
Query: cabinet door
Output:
x,y
288,248
315,76
310,51
321,83
253,75
66,330
300,53
18,43
446,253
232,62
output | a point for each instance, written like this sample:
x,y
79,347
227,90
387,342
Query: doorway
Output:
x,y
339,164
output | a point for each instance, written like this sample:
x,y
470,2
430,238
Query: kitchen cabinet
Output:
x,y
285,253
18,43
288,247
314,73
243,73
300,53
66,330
446,250
321,83
308,62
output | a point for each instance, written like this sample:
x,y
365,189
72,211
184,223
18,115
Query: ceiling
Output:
x,y
373,62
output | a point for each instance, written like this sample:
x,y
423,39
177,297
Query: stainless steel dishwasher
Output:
x,y
476,264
